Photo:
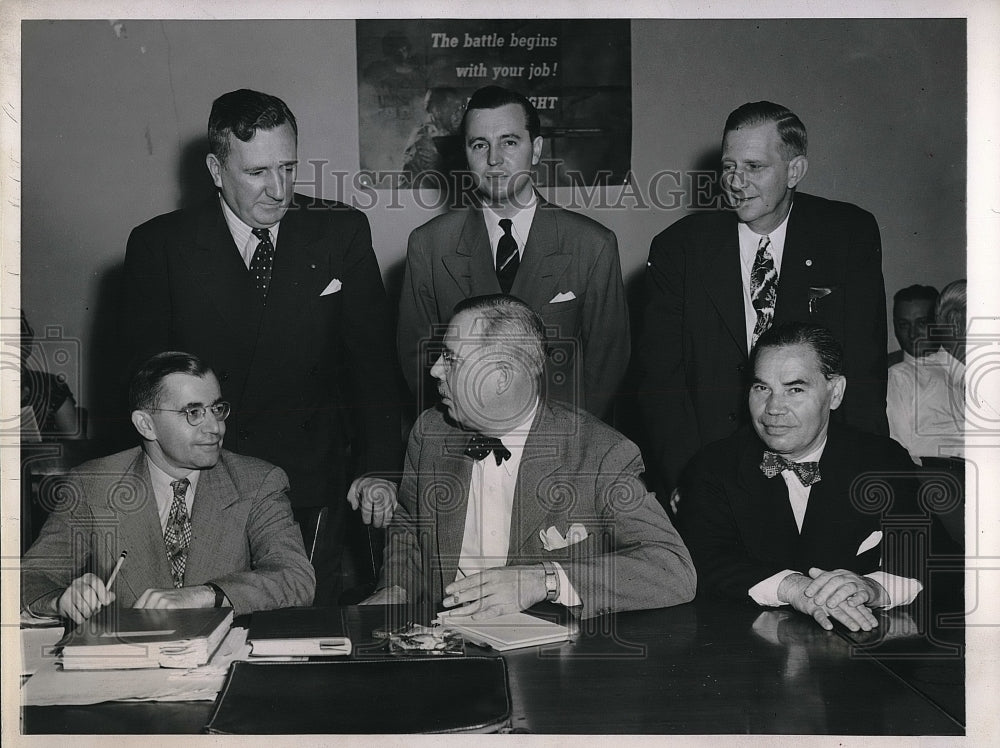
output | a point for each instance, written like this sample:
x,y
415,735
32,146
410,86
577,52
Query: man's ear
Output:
x,y
536,149
505,375
839,385
143,423
797,169
214,168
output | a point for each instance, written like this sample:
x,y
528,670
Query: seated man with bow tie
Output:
x,y
509,499
202,527
792,511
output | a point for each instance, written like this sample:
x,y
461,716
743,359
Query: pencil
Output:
x,y
114,572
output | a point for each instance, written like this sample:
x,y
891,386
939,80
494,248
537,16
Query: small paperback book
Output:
x,y
298,632
511,631
128,638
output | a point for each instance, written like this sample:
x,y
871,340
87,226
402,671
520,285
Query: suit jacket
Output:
x,y
574,468
243,536
449,259
739,524
692,356
307,374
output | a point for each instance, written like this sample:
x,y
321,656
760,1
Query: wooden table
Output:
x,y
702,668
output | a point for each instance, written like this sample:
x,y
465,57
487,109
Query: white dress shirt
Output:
x,y
925,403
749,241
486,539
520,226
246,242
901,590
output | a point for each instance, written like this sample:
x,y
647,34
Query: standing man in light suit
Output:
x,y
509,499
563,265
717,280
284,295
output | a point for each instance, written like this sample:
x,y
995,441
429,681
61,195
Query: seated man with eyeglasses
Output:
x,y
202,527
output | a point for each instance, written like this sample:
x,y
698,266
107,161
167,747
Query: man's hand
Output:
x,y
832,588
857,617
376,497
200,596
85,596
494,592
394,595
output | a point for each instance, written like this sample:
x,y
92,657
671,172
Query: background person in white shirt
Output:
x,y
812,539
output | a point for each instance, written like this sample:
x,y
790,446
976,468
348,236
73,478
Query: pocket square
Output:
x,y
552,539
332,287
564,296
815,294
870,542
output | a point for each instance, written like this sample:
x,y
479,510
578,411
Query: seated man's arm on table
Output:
x,y
399,581
280,574
51,583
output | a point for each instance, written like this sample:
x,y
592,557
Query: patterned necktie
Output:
x,y
480,446
177,535
507,257
763,288
807,472
263,261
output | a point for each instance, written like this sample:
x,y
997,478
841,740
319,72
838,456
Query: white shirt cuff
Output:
x,y
567,595
901,590
766,592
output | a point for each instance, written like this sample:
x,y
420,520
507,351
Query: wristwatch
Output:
x,y
551,581
220,596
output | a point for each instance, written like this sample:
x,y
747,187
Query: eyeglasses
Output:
x,y
450,358
196,414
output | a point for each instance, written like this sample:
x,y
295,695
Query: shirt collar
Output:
x,y
749,241
520,224
161,481
242,232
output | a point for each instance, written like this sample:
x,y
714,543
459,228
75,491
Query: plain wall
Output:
x,y
114,120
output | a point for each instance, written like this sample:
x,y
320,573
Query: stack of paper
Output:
x,y
130,638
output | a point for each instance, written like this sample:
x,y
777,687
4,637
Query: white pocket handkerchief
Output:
x,y
564,296
332,287
870,542
553,540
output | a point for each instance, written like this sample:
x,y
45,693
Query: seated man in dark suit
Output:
x,y
810,539
509,498
202,526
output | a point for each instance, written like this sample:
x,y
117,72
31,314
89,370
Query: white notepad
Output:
x,y
511,631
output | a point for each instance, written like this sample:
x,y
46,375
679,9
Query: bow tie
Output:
x,y
480,446
772,464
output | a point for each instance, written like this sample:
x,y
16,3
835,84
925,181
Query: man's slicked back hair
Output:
x,y
147,382
243,113
794,141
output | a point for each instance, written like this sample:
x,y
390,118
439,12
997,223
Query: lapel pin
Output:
x,y
809,263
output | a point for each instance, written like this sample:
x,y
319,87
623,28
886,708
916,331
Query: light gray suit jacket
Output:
x,y
574,469
243,536
449,259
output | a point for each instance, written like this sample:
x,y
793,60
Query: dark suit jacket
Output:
x,y
243,536
739,525
692,356
574,468
449,259
306,374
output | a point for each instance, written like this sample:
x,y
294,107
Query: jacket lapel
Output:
x,y
140,534
471,267
540,459
763,503
450,498
795,279
542,264
209,526
723,281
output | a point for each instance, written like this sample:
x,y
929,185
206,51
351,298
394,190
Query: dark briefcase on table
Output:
x,y
405,695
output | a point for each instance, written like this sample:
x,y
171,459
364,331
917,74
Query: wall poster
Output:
x,y
415,76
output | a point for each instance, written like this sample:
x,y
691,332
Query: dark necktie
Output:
x,y
763,288
480,446
773,464
263,261
177,535
507,257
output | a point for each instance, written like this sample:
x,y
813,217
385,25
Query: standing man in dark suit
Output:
x,y
716,281
283,293
563,265
509,499
202,526
813,538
